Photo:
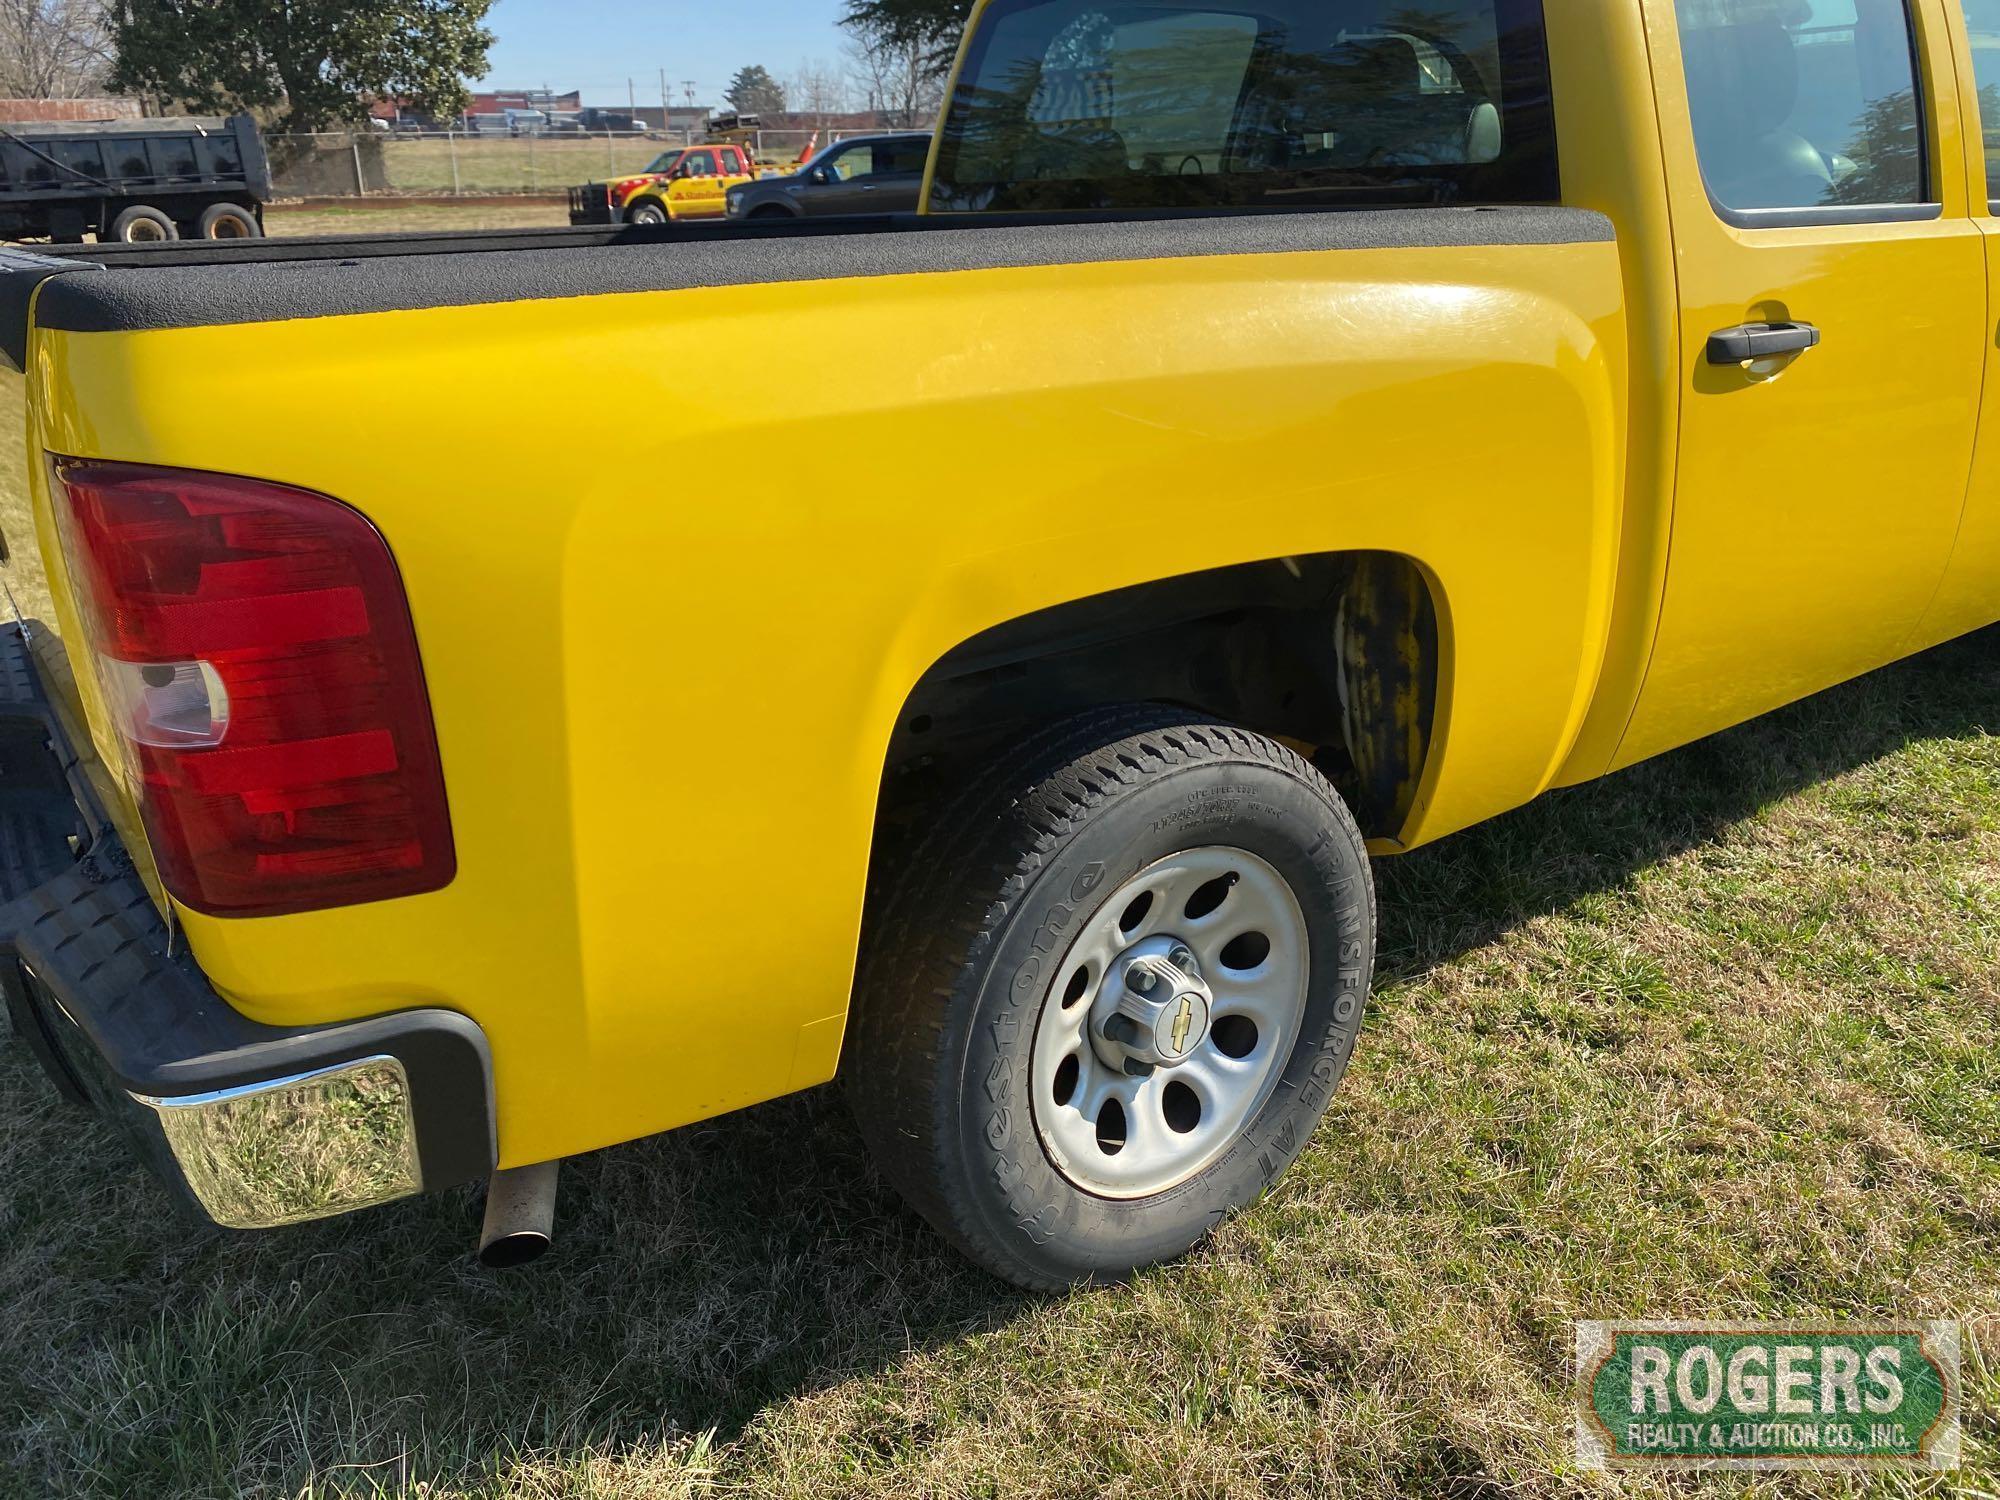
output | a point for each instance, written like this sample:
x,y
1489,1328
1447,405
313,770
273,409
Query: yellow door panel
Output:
x,y
1818,491
1969,597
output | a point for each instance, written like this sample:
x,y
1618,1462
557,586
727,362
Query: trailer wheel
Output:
x,y
1107,992
229,221
646,211
140,225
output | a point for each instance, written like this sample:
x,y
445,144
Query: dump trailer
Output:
x,y
200,177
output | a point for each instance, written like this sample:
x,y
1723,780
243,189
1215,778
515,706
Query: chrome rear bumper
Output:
x,y
304,1147
253,1125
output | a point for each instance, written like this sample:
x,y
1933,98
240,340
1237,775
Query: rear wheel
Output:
x,y
141,225
1109,994
229,221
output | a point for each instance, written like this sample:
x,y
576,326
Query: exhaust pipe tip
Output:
x,y
504,1251
520,1215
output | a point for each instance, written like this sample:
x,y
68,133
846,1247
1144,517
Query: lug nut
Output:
x,y
1181,959
1140,978
1138,1069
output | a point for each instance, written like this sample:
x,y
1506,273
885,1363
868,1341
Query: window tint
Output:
x,y
1982,20
176,156
1802,104
903,158
85,159
1190,103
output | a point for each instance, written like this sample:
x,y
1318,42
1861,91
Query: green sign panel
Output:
x,y
1743,1395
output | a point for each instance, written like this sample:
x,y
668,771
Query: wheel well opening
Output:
x,y
1335,653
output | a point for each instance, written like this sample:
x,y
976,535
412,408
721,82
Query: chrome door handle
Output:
x,y
1748,341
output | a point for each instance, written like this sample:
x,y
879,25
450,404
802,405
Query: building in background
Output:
x,y
499,101
13,111
680,118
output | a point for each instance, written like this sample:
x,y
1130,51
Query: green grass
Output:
x,y
471,164
484,163
1718,1037
380,216
506,164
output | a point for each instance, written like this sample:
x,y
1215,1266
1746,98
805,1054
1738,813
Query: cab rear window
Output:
x,y
1079,104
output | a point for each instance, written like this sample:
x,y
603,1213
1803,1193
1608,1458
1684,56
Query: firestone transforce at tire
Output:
x,y
1107,995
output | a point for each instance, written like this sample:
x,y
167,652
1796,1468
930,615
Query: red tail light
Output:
x,y
255,649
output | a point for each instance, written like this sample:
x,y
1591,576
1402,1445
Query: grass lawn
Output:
x,y
1718,1037
509,164
405,219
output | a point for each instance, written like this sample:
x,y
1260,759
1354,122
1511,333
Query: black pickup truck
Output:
x,y
134,180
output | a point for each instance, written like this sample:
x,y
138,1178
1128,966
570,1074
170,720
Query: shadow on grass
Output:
x,y
1467,890
700,1277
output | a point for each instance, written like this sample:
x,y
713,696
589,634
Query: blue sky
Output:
x,y
595,45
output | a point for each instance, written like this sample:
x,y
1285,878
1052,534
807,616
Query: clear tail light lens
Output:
x,y
254,647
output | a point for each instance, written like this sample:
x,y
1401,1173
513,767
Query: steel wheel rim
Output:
x,y
1190,1110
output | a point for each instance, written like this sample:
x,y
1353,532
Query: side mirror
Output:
x,y
822,176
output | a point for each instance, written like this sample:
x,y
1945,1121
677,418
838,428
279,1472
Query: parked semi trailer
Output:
x,y
200,177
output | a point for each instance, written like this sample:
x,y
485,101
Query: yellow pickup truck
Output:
x,y
1292,431
688,182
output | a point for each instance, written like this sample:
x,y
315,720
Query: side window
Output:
x,y
902,158
1224,103
1982,20
698,164
1805,105
855,161
81,157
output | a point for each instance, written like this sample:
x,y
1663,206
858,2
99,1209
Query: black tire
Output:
x,y
229,221
772,211
649,211
140,225
964,934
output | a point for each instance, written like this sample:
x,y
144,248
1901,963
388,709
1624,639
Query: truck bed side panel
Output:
x,y
664,689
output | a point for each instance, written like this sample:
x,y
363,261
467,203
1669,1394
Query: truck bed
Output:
x,y
685,515
245,281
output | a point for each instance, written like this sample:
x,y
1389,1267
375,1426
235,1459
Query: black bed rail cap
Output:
x,y
21,271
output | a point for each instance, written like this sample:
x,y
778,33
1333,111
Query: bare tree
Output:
x,y
817,90
53,49
897,76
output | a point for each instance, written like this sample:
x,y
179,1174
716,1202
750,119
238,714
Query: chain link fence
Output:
x,y
456,163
